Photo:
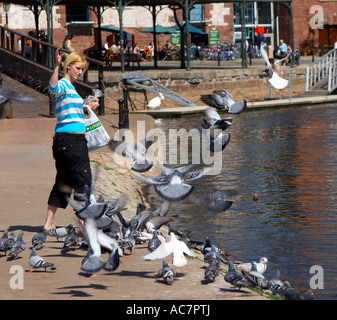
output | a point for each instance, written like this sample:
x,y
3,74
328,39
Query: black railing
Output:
x,y
43,53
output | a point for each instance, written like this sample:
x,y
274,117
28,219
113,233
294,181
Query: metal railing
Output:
x,y
43,53
323,68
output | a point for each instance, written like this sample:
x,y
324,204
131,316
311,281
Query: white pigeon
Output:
x,y
174,246
261,266
38,262
274,71
156,102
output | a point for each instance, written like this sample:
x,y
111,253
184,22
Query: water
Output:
x,y
288,157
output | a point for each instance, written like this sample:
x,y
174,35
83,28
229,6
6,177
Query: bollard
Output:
x,y
121,113
101,99
126,108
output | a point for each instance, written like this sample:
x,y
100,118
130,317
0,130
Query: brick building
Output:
x,y
81,22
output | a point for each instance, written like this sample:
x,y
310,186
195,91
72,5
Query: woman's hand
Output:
x,y
93,104
58,57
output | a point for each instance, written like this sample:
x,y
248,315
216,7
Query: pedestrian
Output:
x,y
282,50
70,149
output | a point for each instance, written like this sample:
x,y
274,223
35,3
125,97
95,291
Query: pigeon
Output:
x,y
162,210
112,263
174,246
213,254
292,294
222,100
217,201
172,184
5,243
215,123
114,231
128,242
38,262
61,232
236,278
92,262
256,277
167,273
39,239
274,71
275,284
154,243
261,266
155,223
12,238
212,270
7,94
193,81
71,240
18,246
156,102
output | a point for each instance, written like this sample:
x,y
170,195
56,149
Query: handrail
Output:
x,y
43,53
324,67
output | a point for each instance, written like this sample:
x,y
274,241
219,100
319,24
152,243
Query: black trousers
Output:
x,y
73,170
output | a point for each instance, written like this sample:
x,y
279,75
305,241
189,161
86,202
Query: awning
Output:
x,y
192,29
111,28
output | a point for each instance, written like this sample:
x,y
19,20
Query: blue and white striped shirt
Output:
x,y
68,108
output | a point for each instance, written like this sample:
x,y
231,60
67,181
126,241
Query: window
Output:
x,y
249,13
197,12
264,12
77,13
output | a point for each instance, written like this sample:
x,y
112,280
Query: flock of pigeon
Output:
x,y
104,227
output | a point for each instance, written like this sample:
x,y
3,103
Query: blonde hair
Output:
x,y
75,57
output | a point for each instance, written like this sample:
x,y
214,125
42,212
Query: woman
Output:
x,y
70,149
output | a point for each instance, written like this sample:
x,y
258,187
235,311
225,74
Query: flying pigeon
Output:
x,y
154,243
218,201
212,270
61,232
173,245
112,263
172,184
214,122
5,243
223,100
38,262
261,266
236,278
274,71
156,102
7,94
256,277
155,223
18,246
39,239
167,273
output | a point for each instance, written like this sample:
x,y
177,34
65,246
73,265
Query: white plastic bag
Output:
x,y
95,134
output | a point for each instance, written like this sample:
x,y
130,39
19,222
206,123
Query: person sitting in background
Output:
x,y
282,50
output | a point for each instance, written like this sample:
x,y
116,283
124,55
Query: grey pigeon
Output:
x,y
61,232
167,273
217,201
222,100
5,243
256,277
12,238
18,246
70,241
155,223
172,184
38,262
114,231
275,284
7,94
215,123
137,152
154,243
292,294
212,270
236,278
213,254
39,239
112,263
128,242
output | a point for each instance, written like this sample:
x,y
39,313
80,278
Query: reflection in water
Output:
x,y
287,157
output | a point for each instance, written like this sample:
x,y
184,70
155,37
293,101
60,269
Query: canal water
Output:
x,y
288,157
